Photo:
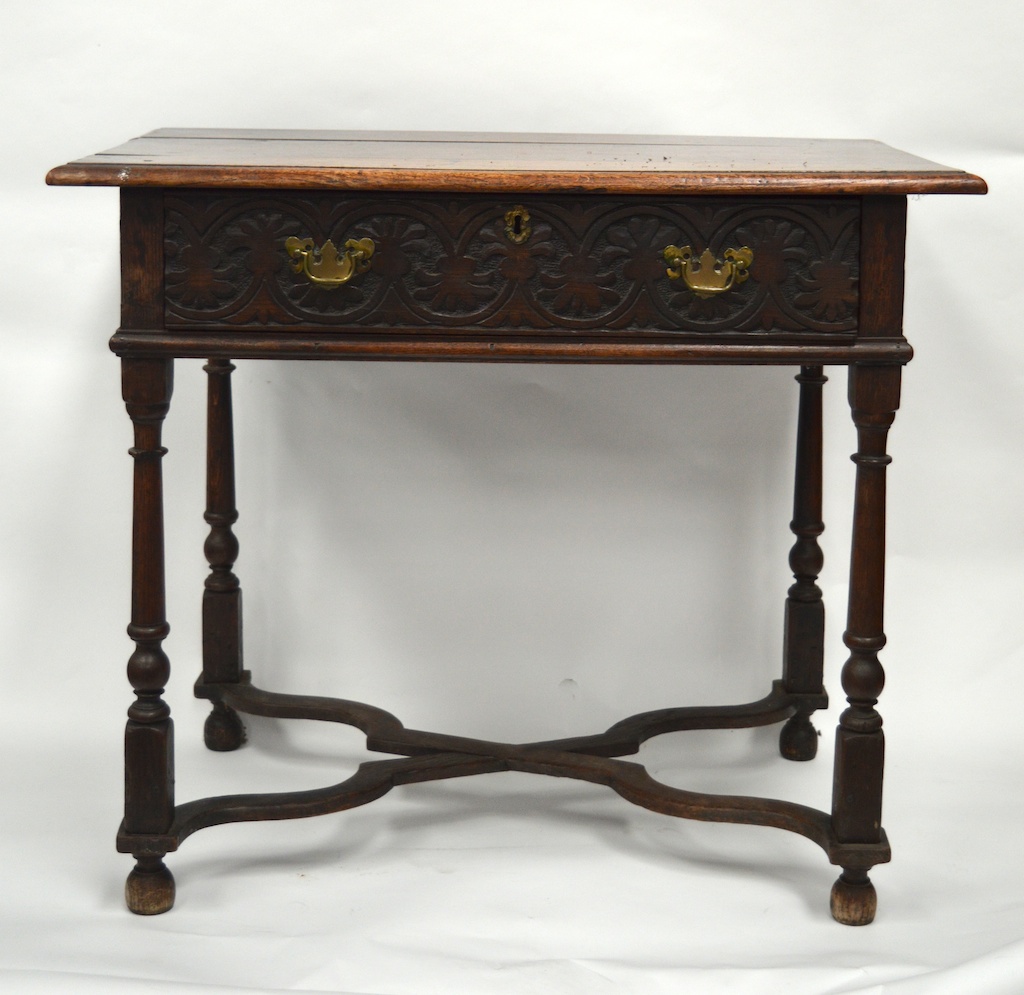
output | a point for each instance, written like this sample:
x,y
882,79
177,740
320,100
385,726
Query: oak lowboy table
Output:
x,y
538,248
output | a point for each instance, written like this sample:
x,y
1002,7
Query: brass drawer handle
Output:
x,y
706,276
326,267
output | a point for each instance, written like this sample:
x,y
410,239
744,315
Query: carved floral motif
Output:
x,y
590,263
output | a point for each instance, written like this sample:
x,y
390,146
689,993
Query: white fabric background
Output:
x,y
515,552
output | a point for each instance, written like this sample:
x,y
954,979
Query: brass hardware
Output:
x,y
326,267
517,224
706,276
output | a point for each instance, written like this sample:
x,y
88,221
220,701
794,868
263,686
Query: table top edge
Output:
x,y
510,162
398,179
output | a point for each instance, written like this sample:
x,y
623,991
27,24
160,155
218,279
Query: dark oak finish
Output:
x,y
591,266
804,631
149,736
502,349
579,275
222,599
860,745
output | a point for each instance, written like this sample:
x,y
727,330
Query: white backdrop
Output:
x,y
515,552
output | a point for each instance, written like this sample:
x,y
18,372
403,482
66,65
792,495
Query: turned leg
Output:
x,y
804,642
860,744
149,736
222,599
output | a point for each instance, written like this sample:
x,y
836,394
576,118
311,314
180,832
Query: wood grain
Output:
x,y
510,163
591,264
723,350
195,264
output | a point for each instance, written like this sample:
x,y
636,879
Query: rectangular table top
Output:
x,y
492,162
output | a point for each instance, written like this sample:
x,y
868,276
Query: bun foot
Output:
x,y
223,731
149,889
853,899
798,739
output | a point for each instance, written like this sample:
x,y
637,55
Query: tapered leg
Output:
x,y
222,599
804,645
149,736
860,744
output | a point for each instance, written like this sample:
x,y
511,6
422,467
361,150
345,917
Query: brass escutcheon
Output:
x,y
706,276
326,267
517,224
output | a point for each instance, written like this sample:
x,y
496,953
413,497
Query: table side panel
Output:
x,y
142,259
883,241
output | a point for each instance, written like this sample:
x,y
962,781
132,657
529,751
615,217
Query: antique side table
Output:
x,y
539,248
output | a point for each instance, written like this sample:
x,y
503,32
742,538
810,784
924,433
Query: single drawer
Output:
x,y
763,267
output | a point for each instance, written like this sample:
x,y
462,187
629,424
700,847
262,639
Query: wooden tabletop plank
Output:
x,y
511,162
515,137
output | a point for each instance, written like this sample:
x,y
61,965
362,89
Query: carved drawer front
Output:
x,y
479,263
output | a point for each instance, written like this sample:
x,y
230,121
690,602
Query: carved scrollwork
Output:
x,y
592,263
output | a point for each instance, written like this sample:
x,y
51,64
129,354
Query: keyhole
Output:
x,y
517,226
